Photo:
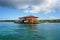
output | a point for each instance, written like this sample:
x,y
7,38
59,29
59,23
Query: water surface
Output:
x,y
42,31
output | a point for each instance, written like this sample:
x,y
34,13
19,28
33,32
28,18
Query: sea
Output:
x,y
41,31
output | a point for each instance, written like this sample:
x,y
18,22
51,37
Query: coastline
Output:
x,y
40,21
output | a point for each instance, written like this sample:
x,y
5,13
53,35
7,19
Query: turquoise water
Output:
x,y
42,31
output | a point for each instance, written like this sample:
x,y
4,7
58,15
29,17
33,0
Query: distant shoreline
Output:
x,y
41,21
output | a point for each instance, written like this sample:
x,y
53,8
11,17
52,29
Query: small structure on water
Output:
x,y
28,19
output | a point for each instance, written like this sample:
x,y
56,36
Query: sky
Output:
x,y
44,9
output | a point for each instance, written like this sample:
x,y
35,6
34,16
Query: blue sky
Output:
x,y
10,13
44,11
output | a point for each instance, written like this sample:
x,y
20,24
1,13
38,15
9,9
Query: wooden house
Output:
x,y
28,19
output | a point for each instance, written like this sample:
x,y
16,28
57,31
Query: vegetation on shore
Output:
x,y
42,21
56,20
7,20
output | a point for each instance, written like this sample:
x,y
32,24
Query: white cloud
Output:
x,y
53,17
33,6
46,7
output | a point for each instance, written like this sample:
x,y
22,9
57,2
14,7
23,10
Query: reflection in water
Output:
x,y
29,32
29,26
11,31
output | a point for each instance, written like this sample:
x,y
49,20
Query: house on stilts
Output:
x,y
28,19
